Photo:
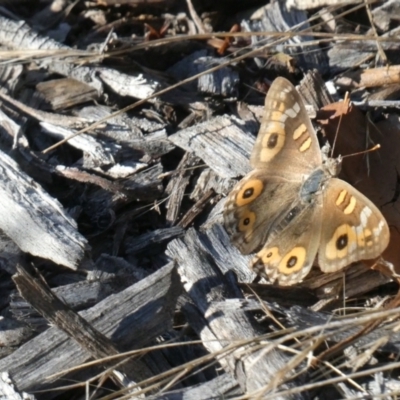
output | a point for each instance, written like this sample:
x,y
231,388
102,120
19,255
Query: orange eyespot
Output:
x,y
247,220
249,192
293,261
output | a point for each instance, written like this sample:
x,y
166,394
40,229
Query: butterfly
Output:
x,y
292,206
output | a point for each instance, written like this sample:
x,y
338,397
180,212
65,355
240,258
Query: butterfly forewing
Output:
x,y
286,140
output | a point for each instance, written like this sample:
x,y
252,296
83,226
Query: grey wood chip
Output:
x,y
276,17
8,391
386,13
223,82
36,222
177,186
13,333
96,152
63,93
228,258
132,318
140,86
207,180
223,143
149,240
221,387
208,288
310,4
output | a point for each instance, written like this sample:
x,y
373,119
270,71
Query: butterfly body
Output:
x,y
292,206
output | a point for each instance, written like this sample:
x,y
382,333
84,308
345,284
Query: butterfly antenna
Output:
x,y
376,147
345,101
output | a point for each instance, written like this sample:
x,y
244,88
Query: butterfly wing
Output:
x,y
256,208
265,210
354,228
279,218
288,256
286,140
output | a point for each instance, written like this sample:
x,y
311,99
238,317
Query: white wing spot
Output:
x,y
290,112
377,231
365,214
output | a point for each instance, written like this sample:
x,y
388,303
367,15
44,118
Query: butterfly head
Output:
x,y
333,166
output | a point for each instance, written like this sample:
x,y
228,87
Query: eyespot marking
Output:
x,y
269,256
293,261
273,140
249,192
246,222
343,242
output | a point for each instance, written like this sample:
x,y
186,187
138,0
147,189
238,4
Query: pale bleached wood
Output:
x,y
36,222
310,4
208,180
207,288
137,85
96,153
18,35
8,391
178,184
276,17
132,318
221,387
223,143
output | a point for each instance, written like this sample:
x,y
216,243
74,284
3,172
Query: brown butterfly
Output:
x,y
291,206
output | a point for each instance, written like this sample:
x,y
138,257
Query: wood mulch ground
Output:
x,y
123,127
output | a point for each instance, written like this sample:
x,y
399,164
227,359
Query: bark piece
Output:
x,y
132,318
223,82
276,17
209,291
60,94
223,386
223,143
149,242
8,391
138,87
178,184
96,153
209,180
13,333
35,221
